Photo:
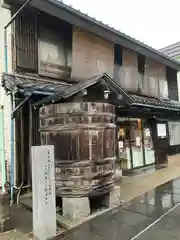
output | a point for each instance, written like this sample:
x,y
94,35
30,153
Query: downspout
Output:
x,y
12,150
12,97
2,156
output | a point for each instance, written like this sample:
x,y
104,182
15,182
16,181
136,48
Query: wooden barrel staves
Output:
x,y
84,137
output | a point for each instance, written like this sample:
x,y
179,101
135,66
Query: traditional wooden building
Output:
x,y
56,52
174,126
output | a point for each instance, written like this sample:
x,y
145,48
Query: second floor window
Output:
x,y
43,45
141,64
118,60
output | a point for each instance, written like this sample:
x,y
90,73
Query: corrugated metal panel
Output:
x,y
151,71
163,83
172,84
130,79
91,55
118,74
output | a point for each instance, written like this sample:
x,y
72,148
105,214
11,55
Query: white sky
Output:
x,y
154,22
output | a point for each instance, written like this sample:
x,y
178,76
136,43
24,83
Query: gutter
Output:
x,y
45,93
2,150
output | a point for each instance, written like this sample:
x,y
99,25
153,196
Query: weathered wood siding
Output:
x,y
155,79
91,55
153,83
26,42
172,84
130,78
86,132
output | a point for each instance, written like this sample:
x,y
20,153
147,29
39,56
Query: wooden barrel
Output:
x,y
84,137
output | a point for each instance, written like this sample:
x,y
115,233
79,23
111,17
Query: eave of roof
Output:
x,y
84,84
170,47
17,82
58,90
130,99
172,50
142,101
60,10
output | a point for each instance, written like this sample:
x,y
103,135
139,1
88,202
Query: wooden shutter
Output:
x,y
26,41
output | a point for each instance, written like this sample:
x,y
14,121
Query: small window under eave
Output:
x,y
141,63
118,55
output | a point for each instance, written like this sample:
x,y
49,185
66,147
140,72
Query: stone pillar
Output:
x,y
113,198
5,214
76,209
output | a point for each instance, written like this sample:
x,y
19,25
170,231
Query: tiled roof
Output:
x,y
172,50
60,90
84,84
15,82
155,102
130,99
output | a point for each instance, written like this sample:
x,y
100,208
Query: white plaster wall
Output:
x,y
5,16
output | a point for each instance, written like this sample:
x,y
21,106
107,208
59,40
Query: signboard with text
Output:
x,y
43,190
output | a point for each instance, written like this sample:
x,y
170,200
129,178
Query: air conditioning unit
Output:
x,y
4,4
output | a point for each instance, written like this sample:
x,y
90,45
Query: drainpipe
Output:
x,y
2,155
12,96
12,151
37,92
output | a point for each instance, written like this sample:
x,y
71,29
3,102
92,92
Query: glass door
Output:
x,y
136,143
124,145
148,145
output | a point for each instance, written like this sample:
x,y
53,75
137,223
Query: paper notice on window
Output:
x,y
161,130
121,145
138,141
147,132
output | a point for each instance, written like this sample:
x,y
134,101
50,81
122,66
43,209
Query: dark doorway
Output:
x,y
160,141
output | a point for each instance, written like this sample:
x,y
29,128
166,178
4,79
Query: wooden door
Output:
x,y
160,141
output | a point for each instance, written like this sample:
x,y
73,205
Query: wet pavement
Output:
x,y
153,215
166,228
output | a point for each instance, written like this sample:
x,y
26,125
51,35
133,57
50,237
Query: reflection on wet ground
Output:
x,y
166,228
135,216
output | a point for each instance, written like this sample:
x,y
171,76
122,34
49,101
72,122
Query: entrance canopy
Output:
x,y
103,82
32,84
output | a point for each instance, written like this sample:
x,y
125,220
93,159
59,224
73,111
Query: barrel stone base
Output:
x,y
113,198
6,223
75,209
